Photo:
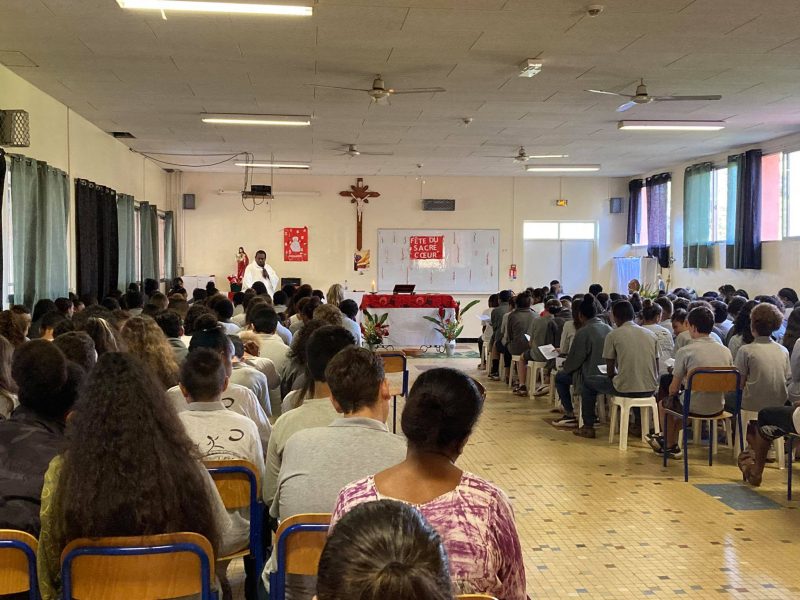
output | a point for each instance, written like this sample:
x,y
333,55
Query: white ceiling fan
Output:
x,y
522,156
352,151
642,97
379,92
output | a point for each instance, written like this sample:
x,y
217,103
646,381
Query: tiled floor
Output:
x,y
596,522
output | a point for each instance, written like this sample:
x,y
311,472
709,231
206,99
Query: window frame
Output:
x,y
715,218
786,171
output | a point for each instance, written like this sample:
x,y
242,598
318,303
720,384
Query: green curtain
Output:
x,y
127,240
170,246
697,212
743,243
39,216
148,228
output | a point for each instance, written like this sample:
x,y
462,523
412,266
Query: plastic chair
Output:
x,y
298,547
18,563
624,405
515,358
150,567
536,372
396,362
238,483
713,380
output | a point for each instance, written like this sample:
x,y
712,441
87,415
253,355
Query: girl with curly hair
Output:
x,y
146,341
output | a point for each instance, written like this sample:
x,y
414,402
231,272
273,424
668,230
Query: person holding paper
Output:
x,y
631,354
545,331
519,322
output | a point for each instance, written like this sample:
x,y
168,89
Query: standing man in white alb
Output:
x,y
261,271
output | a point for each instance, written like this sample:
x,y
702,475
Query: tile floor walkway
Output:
x,y
596,522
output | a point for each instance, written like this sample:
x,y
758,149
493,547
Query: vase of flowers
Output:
x,y
374,329
450,327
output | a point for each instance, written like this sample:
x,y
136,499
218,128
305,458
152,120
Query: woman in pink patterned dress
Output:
x,y
473,516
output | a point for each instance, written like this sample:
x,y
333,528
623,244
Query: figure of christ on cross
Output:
x,y
359,195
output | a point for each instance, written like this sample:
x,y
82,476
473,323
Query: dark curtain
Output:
x,y
697,216
657,217
97,237
743,250
634,204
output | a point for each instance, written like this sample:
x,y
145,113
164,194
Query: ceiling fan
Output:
x,y
642,97
352,150
379,92
522,156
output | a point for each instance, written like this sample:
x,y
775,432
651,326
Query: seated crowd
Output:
x,y
110,410
627,346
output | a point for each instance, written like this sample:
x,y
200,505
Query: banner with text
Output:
x,y
426,247
295,244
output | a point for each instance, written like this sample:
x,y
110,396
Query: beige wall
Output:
x,y
69,142
213,232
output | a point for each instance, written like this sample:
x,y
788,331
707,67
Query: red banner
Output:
x,y
295,244
426,247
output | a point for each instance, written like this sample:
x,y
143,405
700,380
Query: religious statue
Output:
x,y
359,195
242,261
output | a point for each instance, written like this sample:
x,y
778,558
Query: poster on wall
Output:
x,y
360,260
426,247
295,244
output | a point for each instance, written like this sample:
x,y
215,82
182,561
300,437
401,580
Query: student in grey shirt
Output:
x,y
517,327
497,321
319,462
703,351
764,364
631,354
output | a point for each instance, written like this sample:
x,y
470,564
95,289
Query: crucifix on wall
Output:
x,y
359,195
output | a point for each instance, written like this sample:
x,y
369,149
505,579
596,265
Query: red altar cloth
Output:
x,y
371,301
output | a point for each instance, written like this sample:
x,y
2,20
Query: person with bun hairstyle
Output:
x,y
473,516
384,549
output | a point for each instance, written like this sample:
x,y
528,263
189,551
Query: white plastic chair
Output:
x,y
624,405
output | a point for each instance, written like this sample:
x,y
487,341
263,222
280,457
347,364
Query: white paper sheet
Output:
x,y
549,351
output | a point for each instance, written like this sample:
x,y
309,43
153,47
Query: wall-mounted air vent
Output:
x,y
440,204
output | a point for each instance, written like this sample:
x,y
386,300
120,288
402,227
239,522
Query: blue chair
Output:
x,y
238,483
18,563
396,362
153,567
792,437
299,543
713,380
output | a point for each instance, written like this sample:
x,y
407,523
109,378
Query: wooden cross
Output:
x,y
359,195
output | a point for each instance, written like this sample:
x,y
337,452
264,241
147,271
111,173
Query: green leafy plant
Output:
x,y
450,327
374,328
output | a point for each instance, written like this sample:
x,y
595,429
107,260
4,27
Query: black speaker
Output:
x,y
188,202
615,205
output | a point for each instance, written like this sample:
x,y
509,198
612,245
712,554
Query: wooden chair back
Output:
x,y
713,379
18,563
304,548
150,567
237,489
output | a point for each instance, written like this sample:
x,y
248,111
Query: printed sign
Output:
x,y
295,244
426,247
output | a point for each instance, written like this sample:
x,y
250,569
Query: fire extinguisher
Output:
x,y
512,272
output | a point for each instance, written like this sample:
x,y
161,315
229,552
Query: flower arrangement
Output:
x,y
374,328
450,328
236,283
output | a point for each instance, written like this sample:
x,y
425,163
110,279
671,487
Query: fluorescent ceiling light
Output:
x,y
671,125
562,168
273,165
217,7
277,120
548,156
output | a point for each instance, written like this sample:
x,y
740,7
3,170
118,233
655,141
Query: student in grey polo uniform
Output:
x,y
631,354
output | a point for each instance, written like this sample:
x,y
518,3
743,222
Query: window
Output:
x,y
551,230
719,199
137,243
771,197
643,218
7,285
793,194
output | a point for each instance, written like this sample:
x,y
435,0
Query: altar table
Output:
x,y
407,328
